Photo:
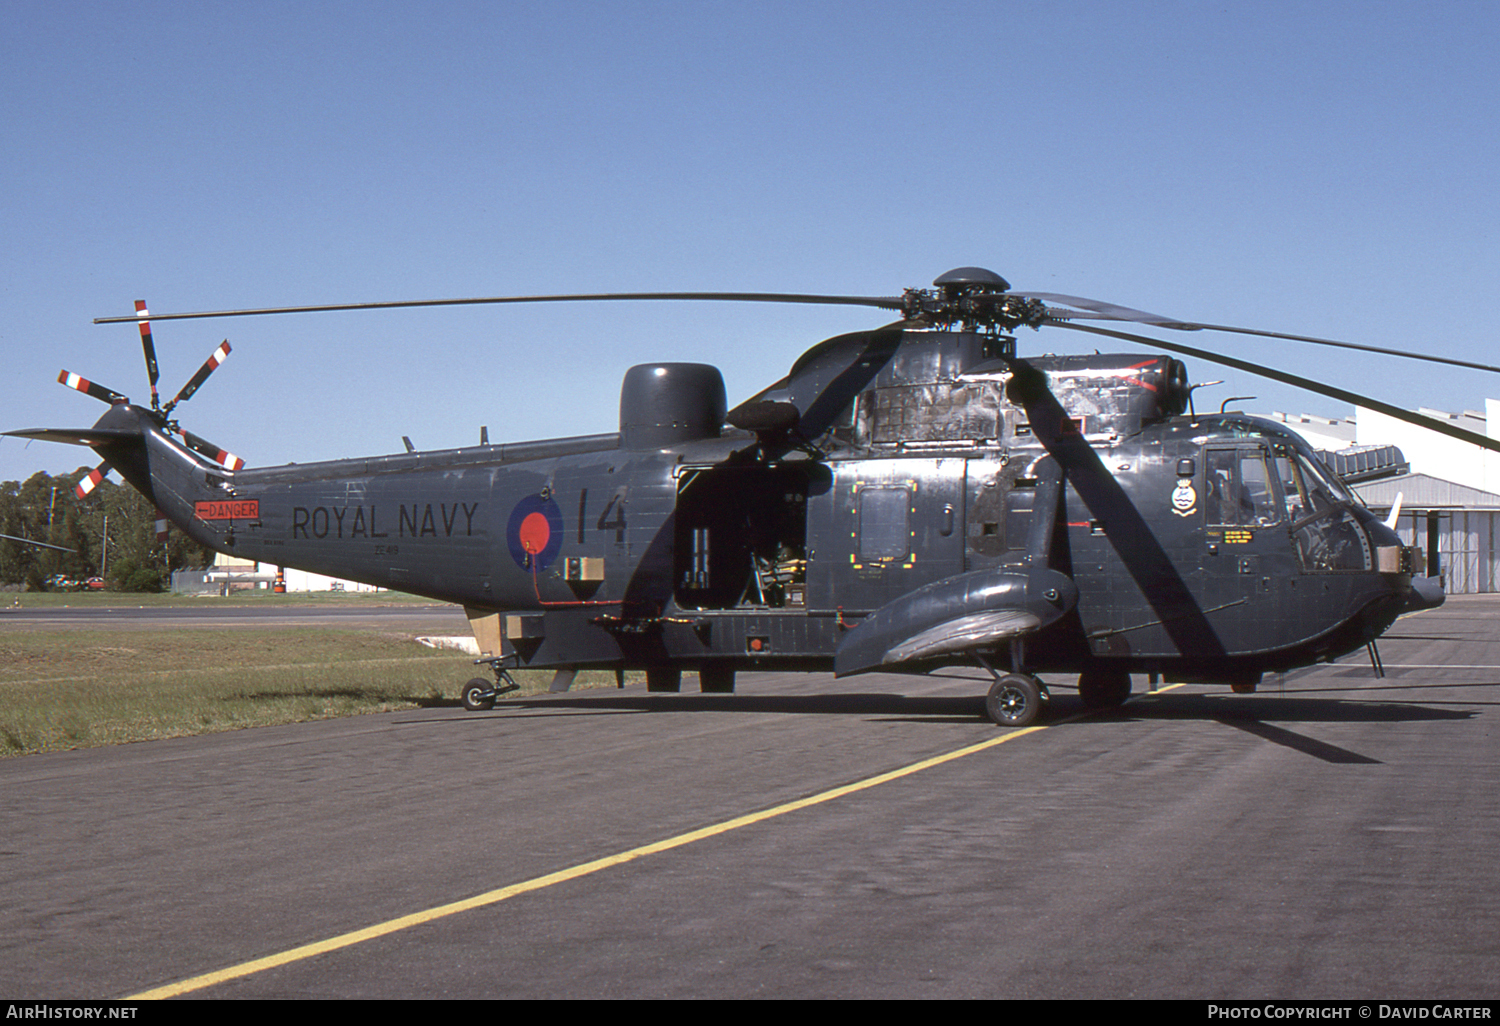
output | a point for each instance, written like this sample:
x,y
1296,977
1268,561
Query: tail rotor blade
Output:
x,y
224,458
148,347
196,382
84,385
91,480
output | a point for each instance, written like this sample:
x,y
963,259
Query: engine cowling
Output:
x,y
665,404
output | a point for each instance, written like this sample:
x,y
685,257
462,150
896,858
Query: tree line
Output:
x,y
45,508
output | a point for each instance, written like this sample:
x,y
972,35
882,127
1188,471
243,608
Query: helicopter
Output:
x,y
907,498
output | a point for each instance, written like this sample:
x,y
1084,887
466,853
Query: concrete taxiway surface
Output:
x,y
1333,837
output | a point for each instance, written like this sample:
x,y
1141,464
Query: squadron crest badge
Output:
x,y
1184,498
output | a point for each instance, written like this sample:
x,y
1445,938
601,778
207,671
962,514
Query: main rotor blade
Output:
x,y
881,302
1331,391
1427,357
78,436
1098,310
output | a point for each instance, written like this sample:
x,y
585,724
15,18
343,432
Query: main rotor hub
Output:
x,y
963,281
974,297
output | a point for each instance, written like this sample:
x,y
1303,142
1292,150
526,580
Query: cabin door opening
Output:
x,y
741,538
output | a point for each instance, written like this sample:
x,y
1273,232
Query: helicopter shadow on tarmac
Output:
x,y
1065,709
1259,716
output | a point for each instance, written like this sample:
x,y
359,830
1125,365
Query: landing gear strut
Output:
x,y
663,678
717,680
479,694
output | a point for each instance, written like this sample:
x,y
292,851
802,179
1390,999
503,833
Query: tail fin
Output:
x,y
169,474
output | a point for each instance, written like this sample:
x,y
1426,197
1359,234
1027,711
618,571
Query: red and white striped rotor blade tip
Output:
x,y
90,481
148,347
209,366
223,457
87,387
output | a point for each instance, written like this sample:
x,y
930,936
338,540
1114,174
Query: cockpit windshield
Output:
x,y
1335,489
1284,484
1308,487
1318,510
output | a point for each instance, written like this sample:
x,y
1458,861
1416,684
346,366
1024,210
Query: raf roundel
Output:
x,y
534,533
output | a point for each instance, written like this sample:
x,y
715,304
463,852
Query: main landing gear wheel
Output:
x,y
479,695
1104,689
1015,700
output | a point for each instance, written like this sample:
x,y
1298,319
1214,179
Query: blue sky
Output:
x,y
1320,168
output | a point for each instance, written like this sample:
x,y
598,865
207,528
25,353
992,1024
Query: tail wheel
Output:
x,y
479,695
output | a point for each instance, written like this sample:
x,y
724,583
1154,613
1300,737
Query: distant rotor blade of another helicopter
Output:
x,y
1097,310
881,302
1331,391
43,545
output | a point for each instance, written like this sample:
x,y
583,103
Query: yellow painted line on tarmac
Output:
x,y
390,926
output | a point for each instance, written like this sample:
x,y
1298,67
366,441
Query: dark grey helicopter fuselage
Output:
x,y
917,494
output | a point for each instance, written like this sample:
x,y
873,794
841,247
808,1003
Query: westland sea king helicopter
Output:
x,y
907,498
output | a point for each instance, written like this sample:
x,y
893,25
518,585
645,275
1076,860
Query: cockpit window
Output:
x,y
1240,487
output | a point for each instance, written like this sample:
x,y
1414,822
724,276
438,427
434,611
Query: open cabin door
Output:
x,y
741,536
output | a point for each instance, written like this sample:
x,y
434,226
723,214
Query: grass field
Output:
x,y
242,597
81,688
